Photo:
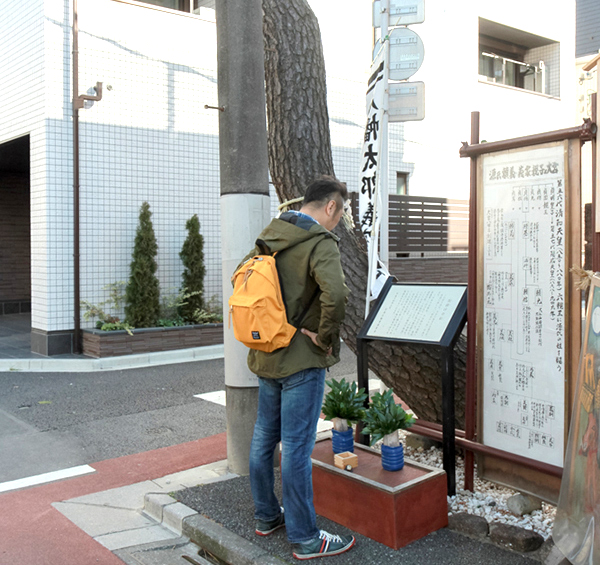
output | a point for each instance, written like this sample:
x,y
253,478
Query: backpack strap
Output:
x,y
263,247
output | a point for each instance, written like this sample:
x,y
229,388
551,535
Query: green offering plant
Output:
x,y
344,403
384,418
142,296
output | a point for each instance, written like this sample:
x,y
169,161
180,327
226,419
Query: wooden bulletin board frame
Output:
x,y
522,477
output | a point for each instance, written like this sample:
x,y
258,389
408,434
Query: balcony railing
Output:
x,y
501,70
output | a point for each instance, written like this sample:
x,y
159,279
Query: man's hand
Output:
x,y
313,337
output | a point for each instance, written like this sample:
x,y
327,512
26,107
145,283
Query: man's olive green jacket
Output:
x,y
307,258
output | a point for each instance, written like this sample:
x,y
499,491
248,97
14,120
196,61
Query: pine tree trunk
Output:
x,y
299,150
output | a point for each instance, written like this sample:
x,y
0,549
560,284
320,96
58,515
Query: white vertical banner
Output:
x,y
369,200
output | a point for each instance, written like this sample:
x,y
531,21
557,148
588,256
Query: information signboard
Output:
x,y
424,313
416,313
522,321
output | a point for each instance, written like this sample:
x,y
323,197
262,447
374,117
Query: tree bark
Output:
x,y
299,150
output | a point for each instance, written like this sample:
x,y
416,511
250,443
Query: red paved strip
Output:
x,y
34,533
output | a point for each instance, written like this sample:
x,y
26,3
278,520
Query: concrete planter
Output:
x,y
97,343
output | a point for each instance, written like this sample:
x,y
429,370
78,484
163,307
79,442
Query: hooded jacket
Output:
x,y
308,258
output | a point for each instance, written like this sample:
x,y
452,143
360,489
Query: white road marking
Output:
x,y
46,478
218,397
324,425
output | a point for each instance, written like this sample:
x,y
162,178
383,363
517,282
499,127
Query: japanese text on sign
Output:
x,y
524,302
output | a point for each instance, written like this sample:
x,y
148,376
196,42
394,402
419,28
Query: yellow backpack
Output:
x,y
256,306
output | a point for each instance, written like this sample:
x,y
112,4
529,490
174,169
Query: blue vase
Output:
x,y
392,458
342,441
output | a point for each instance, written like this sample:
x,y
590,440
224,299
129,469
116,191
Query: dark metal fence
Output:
x,y
423,224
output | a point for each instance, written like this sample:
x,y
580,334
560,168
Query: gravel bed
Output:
x,y
488,500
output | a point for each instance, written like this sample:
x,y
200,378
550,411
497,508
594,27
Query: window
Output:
x,y
516,58
190,6
402,183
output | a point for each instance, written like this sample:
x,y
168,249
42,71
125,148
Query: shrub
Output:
x,y
192,256
142,296
116,295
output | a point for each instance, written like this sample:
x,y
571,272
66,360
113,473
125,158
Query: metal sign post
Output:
x,y
403,55
424,314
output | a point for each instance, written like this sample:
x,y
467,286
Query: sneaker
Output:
x,y
326,544
264,528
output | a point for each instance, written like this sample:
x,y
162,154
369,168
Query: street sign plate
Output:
x,y
406,101
402,12
406,53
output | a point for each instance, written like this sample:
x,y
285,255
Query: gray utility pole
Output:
x,y
245,204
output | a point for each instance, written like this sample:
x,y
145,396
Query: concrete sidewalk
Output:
x,y
144,524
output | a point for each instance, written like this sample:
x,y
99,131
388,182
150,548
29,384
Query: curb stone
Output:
x,y
210,536
515,538
464,523
232,548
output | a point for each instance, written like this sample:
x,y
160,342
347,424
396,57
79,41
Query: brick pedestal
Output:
x,y
393,508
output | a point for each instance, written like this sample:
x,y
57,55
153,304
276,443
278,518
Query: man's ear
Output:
x,y
331,207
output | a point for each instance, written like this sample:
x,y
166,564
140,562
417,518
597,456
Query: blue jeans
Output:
x,y
288,411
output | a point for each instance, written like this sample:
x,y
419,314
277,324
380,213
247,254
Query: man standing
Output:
x,y
292,379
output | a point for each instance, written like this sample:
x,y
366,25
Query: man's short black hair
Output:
x,y
323,189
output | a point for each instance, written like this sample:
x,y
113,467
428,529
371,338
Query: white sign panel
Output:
x,y
406,53
416,312
402,12
523,312
406,101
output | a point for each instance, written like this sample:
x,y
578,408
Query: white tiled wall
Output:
x,y
550,54
150,137
22,105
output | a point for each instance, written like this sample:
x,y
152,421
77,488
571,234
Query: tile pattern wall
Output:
x,y
21,112
148,139
550,54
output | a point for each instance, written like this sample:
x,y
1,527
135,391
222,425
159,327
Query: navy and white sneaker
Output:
x,y
322,546
264,528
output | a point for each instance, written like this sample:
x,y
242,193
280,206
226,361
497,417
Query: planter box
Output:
x,y
393,508
97,343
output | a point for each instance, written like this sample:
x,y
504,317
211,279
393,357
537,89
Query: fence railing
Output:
x,y
423,224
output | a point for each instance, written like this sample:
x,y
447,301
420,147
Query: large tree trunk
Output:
x,y
300,150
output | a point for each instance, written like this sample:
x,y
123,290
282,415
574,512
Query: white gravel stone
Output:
x,y
478,502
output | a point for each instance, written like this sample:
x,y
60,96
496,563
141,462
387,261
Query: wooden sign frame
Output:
x,y
522,477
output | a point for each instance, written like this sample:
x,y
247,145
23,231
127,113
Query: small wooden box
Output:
x,y
342,460
393,508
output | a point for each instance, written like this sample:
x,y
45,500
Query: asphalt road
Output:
x,y
54,421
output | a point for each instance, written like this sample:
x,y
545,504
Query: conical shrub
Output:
x,y
192,278
142,296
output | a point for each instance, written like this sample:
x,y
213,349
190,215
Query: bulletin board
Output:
x,y
528,312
